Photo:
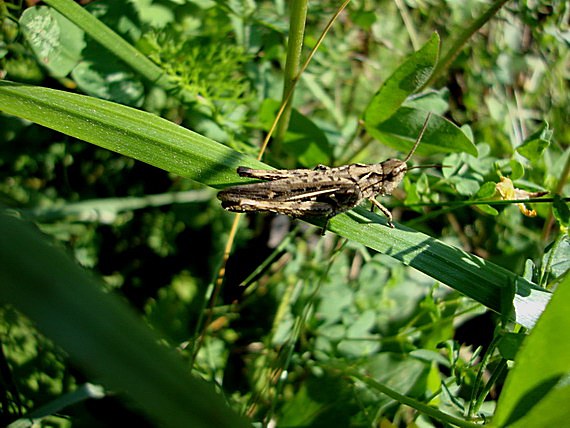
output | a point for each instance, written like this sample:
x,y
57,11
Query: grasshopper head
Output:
x,y
393,171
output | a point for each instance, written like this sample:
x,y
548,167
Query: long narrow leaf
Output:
x,y
535,393
128,131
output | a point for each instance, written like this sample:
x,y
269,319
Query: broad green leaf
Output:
x,y
535,145
549,411
112,42
101,333
466,185
486,191
441,136
536,391
509,345
405,81
158,142
352,344
435,101
56,41
488,209
556,261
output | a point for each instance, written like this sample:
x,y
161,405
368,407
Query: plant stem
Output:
x,y
408,23
294,48
421,407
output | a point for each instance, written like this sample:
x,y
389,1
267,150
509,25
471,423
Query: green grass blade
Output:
x,y
101,333
84,392
158,142
140,135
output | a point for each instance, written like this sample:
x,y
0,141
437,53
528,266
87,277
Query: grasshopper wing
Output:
x,y
302,196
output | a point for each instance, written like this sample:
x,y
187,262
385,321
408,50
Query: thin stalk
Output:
x,y
420,407
216,292
545,269
480,391
408,23
452,205
268,261
298,326
294,49
231,236
496,375
301,71
483,202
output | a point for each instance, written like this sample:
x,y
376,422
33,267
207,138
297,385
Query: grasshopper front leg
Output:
x,y
383,209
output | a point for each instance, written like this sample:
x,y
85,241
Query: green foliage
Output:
x,y
207,69
325,331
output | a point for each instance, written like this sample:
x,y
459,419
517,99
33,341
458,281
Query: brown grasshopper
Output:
x,y
320,192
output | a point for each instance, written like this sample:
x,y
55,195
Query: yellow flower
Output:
x,y
509,192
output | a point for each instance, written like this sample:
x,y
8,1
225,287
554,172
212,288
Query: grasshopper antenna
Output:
x,y
417,143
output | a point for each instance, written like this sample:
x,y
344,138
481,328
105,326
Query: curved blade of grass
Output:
x,y
161,143
127,131
101,333
85,392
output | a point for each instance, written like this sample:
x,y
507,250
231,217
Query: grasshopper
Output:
x,y
319,192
